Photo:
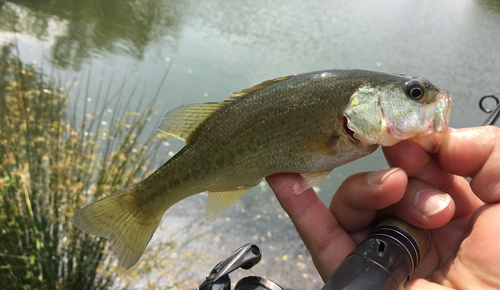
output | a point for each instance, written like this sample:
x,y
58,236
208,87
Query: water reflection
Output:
x,y
82,29
493,6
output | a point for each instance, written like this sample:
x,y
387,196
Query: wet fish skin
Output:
x,y
290,124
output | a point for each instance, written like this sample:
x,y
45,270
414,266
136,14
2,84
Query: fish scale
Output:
x,y
307,123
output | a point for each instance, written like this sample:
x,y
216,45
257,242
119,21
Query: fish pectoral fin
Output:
x,y
244,93
183,121
309,180
219,202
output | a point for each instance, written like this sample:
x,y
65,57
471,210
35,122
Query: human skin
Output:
x,y
425,190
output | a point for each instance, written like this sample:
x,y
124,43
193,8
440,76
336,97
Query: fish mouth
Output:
x,y
442,113
437,117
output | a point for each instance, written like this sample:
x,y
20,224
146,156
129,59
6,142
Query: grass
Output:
x,y
52,162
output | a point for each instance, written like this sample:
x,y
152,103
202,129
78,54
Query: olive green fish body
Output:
x,y
293,126
308,124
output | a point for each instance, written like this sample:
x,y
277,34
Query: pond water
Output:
x,y
216,47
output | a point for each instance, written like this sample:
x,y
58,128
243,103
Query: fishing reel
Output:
x,y
385,260
245,257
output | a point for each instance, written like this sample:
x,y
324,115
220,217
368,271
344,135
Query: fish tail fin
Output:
x,y
120,219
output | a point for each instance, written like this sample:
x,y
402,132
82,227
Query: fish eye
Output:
x,y
416,90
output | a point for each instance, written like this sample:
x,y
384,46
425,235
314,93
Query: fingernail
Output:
x,y
430,202
377,177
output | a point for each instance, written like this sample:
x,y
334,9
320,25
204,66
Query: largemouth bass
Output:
x,y
307,123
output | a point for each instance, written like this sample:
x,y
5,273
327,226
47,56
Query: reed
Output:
x,y
52,162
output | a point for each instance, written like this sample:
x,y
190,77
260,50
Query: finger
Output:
x,y
417,163
473,258
421,165
479,257
423,206
423,284
358,198
475,152
327,242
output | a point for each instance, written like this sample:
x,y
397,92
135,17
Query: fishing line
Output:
x,y
253,273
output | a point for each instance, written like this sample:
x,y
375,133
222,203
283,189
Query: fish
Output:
x,y
306,123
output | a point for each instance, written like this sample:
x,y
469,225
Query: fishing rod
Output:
x,y
494,113
384,260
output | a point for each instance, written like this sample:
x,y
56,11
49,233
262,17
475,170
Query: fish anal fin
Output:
x,y
309,180
219,202
120,219
244,93
183,121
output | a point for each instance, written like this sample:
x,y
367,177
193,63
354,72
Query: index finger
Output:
x,y
325,239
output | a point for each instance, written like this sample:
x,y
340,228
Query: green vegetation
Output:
x,y
50,166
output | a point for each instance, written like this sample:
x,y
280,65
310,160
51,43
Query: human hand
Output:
x,y
427,191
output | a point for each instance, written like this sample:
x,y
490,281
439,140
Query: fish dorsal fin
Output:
x,y
309,180
181,122
244,93
219,202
